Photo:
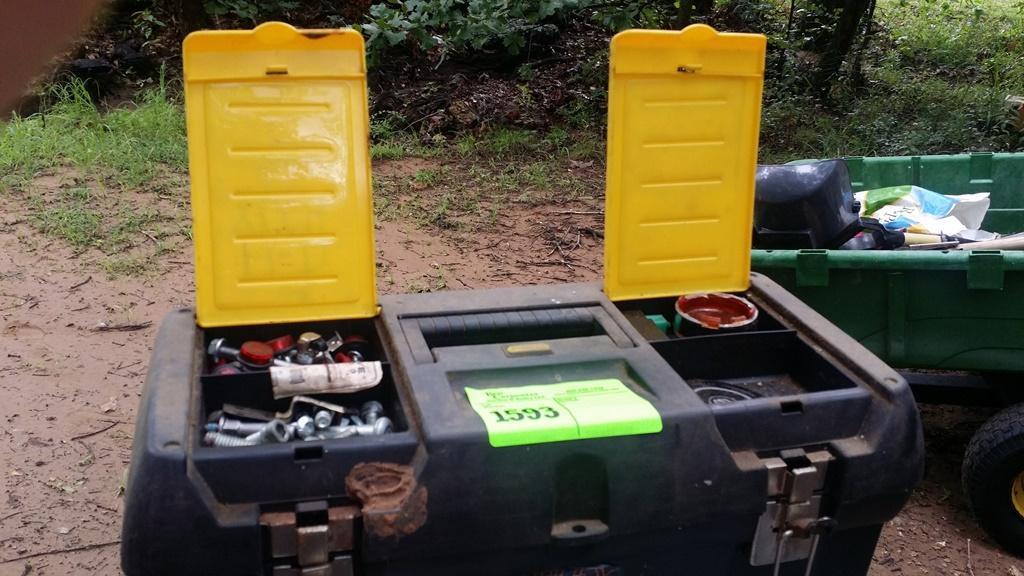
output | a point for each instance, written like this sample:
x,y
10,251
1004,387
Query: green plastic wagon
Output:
x,y
953,320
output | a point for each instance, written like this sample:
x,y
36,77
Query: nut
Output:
x,y
371,411
304,427
322,419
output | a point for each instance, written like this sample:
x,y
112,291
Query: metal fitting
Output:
x,y
274,432
304,427
323,419
306,340
371,411
222,440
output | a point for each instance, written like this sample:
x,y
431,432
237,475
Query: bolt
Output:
x,y
371,411
222,440
379,427
274,431
304,427
240,428
218,349
335,432
322,419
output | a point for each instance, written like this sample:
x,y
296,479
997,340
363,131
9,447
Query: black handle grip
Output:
x,y
512,326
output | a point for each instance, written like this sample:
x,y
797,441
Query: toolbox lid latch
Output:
x,y
792,522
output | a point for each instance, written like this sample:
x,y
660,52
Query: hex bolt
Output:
x,y
322,419
379,427
274,432
304,427
218,349
222,440
240,428
371,411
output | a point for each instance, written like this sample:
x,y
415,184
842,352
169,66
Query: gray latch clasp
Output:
x,y
791,524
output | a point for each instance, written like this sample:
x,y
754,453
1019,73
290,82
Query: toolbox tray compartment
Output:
x,y
795,391
276,465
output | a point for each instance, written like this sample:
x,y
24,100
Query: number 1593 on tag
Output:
x,y
517,414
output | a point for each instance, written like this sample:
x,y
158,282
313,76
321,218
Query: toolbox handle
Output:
x,y
510,326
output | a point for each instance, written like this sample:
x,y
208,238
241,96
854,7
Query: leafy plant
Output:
x,y
252,10
146,24
451,25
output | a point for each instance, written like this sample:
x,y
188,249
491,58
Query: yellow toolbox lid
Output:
x,y
684,110
282,214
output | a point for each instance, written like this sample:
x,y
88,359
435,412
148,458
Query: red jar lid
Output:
x,y
716,311
258,353
281,343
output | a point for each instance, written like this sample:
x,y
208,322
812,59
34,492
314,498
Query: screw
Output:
x,y
222,440
274,431
304,427
322,419
371,411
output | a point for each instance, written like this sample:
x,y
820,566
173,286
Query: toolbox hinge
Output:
x,y
792,522
313,540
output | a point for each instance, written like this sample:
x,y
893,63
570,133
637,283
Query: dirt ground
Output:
x,y
74,345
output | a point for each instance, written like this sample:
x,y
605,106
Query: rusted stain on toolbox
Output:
x,y
394,505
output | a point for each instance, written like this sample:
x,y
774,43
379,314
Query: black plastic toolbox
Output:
x,y
687,500
535,430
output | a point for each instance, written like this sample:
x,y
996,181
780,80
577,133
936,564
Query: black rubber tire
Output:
x,y
994,458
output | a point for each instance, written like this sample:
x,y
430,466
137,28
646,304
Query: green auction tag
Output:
x,y
565,411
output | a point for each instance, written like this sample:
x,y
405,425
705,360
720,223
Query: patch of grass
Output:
x,y
71,221
129,224
131,266
466,144
388,150
129,147
509,142
427,177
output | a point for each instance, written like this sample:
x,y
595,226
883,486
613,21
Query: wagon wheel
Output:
x,y
993,477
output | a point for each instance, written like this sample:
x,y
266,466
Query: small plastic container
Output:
x,y
712,313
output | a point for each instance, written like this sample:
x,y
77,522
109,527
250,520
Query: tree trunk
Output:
x,y
842,40
857,71
190,14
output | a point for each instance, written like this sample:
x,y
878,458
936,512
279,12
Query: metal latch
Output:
x,y
313,540
792,523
